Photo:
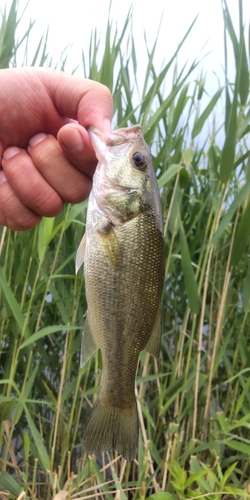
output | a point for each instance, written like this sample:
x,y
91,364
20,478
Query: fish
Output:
x,y
123,255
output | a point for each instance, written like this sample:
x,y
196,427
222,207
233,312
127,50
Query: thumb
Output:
x,y
84,100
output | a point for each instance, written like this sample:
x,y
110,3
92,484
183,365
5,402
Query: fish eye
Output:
x,y
139,160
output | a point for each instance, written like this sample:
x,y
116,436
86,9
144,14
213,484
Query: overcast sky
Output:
x,y
71,22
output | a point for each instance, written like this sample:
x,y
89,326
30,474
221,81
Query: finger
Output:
x,y
74,140
13,213
43,100
72,185
29,185
85,100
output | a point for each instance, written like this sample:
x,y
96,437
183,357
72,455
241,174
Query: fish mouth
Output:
x,y
116,137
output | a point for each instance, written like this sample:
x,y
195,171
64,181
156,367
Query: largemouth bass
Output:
x,y
123,255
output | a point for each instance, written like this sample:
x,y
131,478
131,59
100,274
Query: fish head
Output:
x,y
124,183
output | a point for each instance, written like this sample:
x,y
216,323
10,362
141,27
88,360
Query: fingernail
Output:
x,y
72,140
9,152
36,139
2,177
106,125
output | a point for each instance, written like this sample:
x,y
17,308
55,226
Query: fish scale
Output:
x,y
123,254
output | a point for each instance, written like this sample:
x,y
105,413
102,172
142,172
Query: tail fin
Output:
x,y
112,428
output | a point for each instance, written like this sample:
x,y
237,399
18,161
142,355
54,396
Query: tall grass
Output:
x,y
194,404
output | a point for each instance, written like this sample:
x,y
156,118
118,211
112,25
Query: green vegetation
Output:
x,y
194,403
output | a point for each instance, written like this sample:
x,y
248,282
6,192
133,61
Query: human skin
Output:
x,y
46,157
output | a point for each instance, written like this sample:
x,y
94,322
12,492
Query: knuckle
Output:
x,y
78,192
13,214
46,203
107,94
27,220
41,152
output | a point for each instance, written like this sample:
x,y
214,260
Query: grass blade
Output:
x,y
12,302
189,277
203,118
48,330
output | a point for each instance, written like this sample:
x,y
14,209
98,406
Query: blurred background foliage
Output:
x,y
194,403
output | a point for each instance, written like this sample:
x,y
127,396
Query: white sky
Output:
x,y
71,22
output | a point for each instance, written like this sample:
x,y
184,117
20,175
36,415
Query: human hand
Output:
x,y
46,157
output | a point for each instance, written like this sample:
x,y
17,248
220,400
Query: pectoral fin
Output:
x,y
154,342
111,245
80,253
89,346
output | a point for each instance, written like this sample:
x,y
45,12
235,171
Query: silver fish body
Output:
x,y
123,254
